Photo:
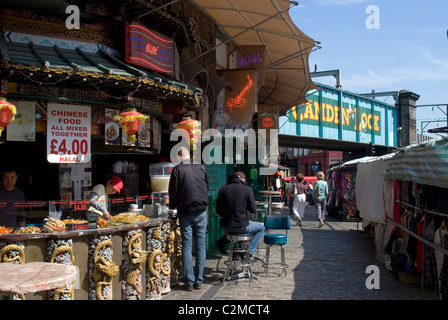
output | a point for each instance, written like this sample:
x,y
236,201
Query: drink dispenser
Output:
x,y
159,174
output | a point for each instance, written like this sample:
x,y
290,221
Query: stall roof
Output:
x,y
79,68
267,23
424,163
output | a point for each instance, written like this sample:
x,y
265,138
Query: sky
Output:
x,y
400,45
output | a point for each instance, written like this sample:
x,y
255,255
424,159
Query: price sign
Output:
x,y
68,133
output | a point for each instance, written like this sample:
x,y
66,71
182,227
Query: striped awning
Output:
x,y
424,163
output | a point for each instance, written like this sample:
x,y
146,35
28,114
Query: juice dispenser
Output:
x,y
159,174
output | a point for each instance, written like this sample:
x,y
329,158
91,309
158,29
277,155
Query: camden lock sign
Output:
x,y
335,114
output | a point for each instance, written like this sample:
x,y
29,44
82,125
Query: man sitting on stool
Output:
x,y
234,202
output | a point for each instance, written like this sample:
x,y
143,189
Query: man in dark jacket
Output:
x,y
188,191
234,202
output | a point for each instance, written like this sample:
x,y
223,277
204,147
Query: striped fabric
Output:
x,y
425,163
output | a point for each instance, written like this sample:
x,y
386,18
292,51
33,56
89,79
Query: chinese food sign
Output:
x,y
68,133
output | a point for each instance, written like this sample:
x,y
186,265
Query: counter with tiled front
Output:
x,y
135,261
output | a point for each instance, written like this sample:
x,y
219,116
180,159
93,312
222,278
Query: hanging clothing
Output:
x,y
419,247
444,272
431,263
438,240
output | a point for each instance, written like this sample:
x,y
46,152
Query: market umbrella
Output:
x,y
267,23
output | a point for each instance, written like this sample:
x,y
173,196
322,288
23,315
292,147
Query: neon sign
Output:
x,y
239,100
267,122
250,59
149,49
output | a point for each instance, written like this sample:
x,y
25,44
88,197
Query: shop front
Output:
x,y
82,115
87,110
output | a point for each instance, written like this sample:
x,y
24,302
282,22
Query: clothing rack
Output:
x,y
421,209
423,240
426,242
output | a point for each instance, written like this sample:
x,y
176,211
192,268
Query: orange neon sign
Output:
x,y
267,122
239,101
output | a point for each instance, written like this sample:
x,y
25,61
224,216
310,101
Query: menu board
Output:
x,y
68,133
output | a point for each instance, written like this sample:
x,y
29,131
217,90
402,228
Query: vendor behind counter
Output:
x,y
98,198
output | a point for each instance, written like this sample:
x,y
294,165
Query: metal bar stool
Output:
x,y
239,257
276,222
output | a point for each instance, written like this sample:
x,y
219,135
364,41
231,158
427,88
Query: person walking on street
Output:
x,y
234,202
309,194
299,203
320,193
291,191
188,192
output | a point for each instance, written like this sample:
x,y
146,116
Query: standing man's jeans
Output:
x,y
194,225
254,228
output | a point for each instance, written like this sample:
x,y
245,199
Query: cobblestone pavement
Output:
x,y
327,263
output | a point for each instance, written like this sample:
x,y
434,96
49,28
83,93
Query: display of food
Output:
x,y
128,217
101,223
29,229
74,221
54,225
4,230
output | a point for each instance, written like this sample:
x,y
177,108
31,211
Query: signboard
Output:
x,y
330,113
246,57
149,49
240,102
68,133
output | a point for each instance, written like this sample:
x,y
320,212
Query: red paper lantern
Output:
x,y
7,114
193,127
130,122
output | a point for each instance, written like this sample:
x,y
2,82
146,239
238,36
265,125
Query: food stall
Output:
x,y
129,257
136,254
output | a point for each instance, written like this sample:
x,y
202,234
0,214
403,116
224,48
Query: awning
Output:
x,y
267,23
54,65
424,163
